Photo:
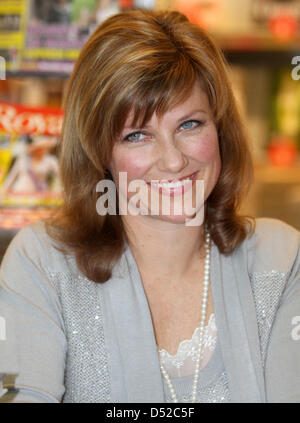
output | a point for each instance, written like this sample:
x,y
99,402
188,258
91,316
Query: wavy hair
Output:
x,y
145,62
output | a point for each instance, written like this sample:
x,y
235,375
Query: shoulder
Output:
x,y
33,245
276,229
274,245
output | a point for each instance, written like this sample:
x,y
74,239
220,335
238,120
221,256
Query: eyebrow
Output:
x,y
191,114
187,116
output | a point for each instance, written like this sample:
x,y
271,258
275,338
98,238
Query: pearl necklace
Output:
x,y
202,323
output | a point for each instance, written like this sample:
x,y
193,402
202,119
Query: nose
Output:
x,y
171,158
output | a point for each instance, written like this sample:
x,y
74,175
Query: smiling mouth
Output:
x,y
175,183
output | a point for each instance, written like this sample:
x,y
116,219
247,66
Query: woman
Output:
x,y
97,305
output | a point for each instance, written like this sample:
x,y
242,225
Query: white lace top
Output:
x,y
183,362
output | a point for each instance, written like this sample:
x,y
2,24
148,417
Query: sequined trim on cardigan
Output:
x,y
267,289
87,376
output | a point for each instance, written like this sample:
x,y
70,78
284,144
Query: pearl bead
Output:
x,y
202,323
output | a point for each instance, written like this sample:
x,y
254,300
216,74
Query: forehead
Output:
x,y
195,100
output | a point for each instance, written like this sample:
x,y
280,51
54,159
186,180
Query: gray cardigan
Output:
x,y
72,340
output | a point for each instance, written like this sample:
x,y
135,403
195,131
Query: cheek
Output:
x,y
135,163
207,150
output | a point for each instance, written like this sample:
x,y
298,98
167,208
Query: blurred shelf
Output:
x,y
269,58
34,74
268,174
275,193
256,40
260,48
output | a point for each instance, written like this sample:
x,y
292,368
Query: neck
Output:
x,y
165,250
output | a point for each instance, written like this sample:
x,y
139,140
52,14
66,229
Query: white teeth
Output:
x,y
170,185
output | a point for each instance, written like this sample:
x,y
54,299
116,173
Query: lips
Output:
x,y
180,179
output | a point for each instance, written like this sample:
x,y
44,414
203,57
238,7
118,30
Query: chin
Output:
x,y
182,219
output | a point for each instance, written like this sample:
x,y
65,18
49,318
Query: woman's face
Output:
x,y
171,155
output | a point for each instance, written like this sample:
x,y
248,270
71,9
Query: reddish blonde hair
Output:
x,y
145,61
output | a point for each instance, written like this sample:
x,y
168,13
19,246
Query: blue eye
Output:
x,y
133,137
190,124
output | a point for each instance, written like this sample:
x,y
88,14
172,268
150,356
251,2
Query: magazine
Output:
x,y
30,185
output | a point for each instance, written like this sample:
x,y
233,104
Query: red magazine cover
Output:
x,y
29,174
